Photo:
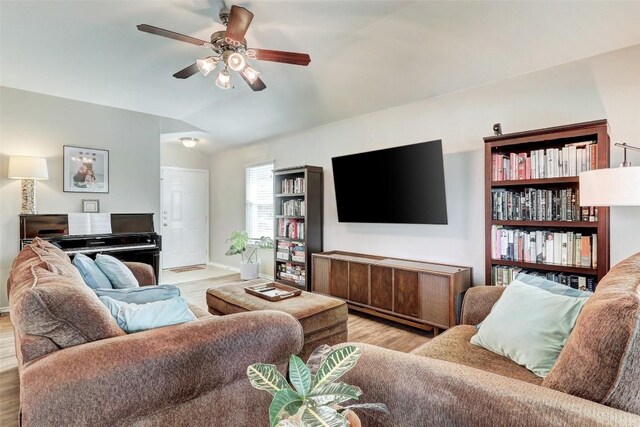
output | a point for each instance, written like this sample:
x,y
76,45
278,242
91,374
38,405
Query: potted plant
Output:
x,y
314,397
250,266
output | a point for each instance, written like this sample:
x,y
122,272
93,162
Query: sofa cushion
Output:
x,y
601,359
51,248
531,322
59,308
33,256
119,274
140,295
92,275
454,346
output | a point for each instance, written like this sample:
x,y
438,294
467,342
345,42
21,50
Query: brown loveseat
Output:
x,y
78,368
450,382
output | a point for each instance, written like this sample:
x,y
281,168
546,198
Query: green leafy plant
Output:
x,y
313,398
240,242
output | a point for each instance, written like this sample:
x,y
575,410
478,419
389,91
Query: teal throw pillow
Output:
x,y
92,275
531,322
141,317
119,274
140,295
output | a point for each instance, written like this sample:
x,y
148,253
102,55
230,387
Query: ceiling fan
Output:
x,y
230,49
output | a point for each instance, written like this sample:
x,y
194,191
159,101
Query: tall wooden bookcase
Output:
x,y
298,205
528,142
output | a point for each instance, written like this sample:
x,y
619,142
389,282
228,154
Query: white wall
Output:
x,y
175,155
606,86
39,125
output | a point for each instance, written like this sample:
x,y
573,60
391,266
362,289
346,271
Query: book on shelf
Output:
x,y
544,247
535,204
295,207
290,251
292,272
293,186
502,275
291,228
567,161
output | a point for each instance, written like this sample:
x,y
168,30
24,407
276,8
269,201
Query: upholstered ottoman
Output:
x,y
323,319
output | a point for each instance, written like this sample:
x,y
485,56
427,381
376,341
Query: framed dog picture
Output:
x,y
86,170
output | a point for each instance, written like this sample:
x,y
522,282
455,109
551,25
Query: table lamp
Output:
x,y
612,187
28,169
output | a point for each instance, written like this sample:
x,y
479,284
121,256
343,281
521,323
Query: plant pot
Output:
x,y
249,270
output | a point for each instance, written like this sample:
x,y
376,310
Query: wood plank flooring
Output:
x,y
362,328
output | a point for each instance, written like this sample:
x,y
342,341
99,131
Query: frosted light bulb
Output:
x,y
206,65
236,62
224,80
250,74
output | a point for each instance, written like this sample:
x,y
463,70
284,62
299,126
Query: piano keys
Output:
x,y
132,238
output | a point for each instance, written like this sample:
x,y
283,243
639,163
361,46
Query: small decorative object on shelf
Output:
x,y
90,205
497,129
535,221
298,223
313,398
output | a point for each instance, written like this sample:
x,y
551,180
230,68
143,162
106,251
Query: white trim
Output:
x,y
4,309
236,269
264,162
208,207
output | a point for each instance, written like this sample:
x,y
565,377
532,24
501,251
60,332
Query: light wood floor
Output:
x,y
362,328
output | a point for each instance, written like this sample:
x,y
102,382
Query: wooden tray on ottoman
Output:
x,y
278,294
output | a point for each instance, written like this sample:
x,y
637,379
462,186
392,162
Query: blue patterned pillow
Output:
x,y
92,275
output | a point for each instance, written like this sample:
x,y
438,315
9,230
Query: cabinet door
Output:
x,y
359,283
339,286
382,287
406,293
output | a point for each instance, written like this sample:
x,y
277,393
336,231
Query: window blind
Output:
x,y
259,200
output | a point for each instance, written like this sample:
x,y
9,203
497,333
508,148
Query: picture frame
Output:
x,y
90,205
85,170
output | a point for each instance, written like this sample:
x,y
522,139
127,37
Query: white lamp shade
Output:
x,y
23,167
610,187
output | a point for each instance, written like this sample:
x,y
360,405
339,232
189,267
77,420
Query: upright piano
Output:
x,y
132,237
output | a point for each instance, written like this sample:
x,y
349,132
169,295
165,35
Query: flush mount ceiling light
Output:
x,y
189,142
230,48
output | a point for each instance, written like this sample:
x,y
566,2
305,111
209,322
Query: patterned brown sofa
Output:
x,y
78,368
450,382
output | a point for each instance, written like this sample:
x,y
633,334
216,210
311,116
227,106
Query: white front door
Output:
x,y
185,217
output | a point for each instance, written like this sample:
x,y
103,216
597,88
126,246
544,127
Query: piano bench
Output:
x,y
143,272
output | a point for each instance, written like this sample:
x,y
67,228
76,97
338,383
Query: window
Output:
x,y
259,198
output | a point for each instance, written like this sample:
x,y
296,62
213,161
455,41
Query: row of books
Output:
x,y
291,228
502,275
290,251
295,207
546,247
293,186
292,273
550,163
534,204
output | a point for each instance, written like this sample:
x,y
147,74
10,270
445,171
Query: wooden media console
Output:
x,y
420,294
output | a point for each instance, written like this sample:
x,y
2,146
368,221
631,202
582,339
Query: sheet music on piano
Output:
x,y
89,223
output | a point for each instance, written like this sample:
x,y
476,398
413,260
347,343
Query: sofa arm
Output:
x,y
478,302
118,380
143,272
426,392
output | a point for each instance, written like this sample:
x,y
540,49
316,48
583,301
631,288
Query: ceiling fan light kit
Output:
x,y
230,48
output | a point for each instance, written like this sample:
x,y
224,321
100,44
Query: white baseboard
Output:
x,y
4,309
236,269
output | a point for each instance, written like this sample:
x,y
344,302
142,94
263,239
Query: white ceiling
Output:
x,y
365,55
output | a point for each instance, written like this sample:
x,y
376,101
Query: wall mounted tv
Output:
x,y
400,185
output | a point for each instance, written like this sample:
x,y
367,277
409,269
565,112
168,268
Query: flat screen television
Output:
x,y
400,185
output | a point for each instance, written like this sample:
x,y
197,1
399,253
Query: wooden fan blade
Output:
x,y
170,34
257,86
239,21
187,72
280,56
